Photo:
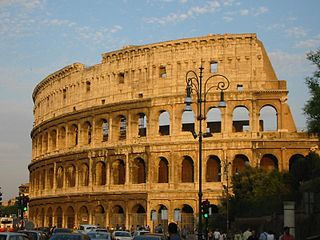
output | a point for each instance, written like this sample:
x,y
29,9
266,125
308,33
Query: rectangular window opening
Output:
x,y
121,77
213,67
163,72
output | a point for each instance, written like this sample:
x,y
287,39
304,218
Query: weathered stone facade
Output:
x,y
109,143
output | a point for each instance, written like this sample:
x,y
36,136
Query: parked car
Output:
x,y
95,235
13,236
61,230
87,228
101,230
151,236
34,234
140,232
121,235
69,236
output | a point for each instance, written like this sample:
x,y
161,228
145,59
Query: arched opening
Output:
x,y
268,119
214,120
164,123
188,121
123,128
138,171
117,218
50,178
71,176
99,216
49,217
187,170
87,132
269,162
84,175
118,172
294,158
59,217
138,216
59,177
100,173
163,171
240,119
74,135
187,218
84,215
142,125
162,218
53,140
62,137
70,217
105,130
240,161
213,170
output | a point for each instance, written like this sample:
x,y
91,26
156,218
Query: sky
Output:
x,y
39,37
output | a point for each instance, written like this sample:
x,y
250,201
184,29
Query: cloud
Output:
x,y
211,6
296,32
309,43
26,4
244,12
261,10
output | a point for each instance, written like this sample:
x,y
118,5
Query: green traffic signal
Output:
x,y
206,215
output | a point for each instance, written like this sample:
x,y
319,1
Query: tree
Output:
x,y
257,192
312,107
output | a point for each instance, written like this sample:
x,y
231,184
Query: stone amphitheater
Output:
x,y
111,143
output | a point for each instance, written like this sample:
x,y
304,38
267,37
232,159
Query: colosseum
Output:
x,y
112,143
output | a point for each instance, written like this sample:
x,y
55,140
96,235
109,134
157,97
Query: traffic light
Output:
x,y
0,197
205,208
25,201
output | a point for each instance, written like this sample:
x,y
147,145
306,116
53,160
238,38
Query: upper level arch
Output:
x,y
240,119
268,118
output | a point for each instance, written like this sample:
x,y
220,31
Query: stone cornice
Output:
x,y
66,71
130,50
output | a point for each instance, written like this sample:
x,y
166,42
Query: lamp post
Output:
x,y
195,84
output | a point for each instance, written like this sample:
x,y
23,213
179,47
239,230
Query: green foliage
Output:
x,y
8,210
257,192
312,107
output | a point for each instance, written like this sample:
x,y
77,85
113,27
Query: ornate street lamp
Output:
x,y
195,84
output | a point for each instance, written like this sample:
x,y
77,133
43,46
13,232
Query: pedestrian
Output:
x,y
286,234
253,236
173,231
216,234
246,234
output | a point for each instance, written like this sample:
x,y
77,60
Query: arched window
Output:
x,y
188,121
84,175
71,176
163,172
118,171
164,123
240,161
87,132
60,177
105,130
138,171
268,120
213,173
62,137
74,135
142,124
100,173
84,215
123,128
214,120
70,217
269,162
59,217
53,140
241,120
294,159
187,170
50,178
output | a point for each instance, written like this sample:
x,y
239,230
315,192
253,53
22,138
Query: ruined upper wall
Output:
x,y
154,71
